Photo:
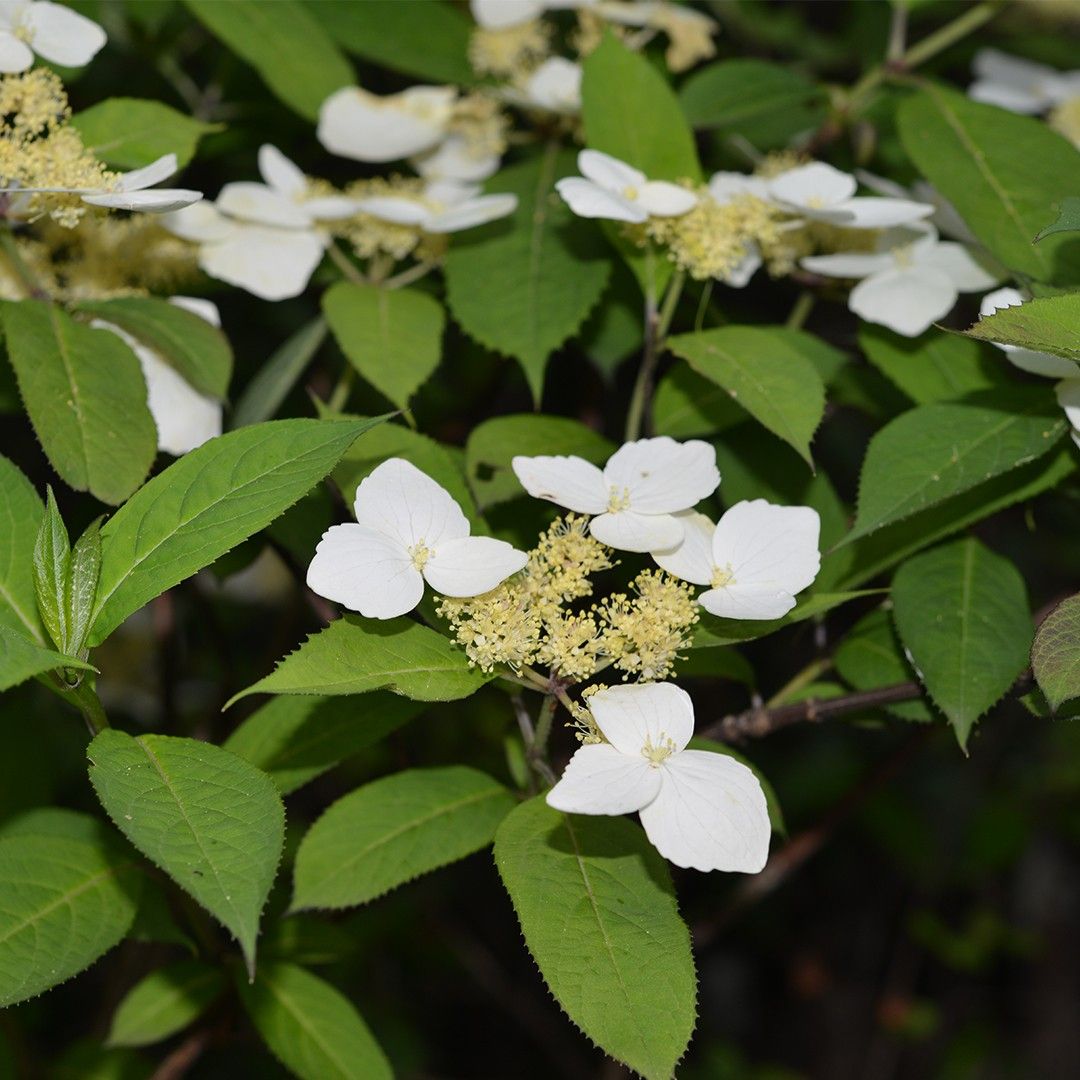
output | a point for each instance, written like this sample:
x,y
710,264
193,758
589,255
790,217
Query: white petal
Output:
x,y
556,86
846,264
329,207
406,505
738,277
725,186
446,191
199,223
249,201
626,530
1040,363
62,36
747,602
366,127
961,267
1000,299
472,565
15,55
633,716
907,301
816,186
366,572
285,177
477,211
273,264
774,546
571,482
710,814
873,212
394,209
589,200
157,201
184,418
663,476
1011,82
692,560
662,199
1068,395
609,172
880,185
149,175
197,305
502,14
1008,97
601,780
454,159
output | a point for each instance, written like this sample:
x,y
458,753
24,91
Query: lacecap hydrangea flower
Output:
x,y
52,31
609,188
700,809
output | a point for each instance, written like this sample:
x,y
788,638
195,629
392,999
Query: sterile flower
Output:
x,y
611,189
822,193
638,494
409,530
445,207
184,417
555,86
700,809
265,238
909,281
502,14
1019,85
53,31
456,159
754,560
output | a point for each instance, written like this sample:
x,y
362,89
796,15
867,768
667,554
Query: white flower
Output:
x,y
409,530
503,14
616,191
1019,85
638,494
184,418
555,86
445,207
911,280
700,809
724,187
689,31
56,33
753,561
945,218
822,193
456,159
1040,363
265,238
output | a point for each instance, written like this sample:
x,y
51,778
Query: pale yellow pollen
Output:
x,y
630,192
660,752
721,576
815,202
904,256
419,553
618,499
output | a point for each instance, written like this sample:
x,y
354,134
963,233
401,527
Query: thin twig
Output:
x,y
183,1057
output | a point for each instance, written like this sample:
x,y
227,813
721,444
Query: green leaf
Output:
x,y
962,614
52,573
388,832
933,452
262,397
1000,170
767,371
1047,325
687,404
494,443
63,904
21,514
199,351
932,367
165,1002
311,1028
206,503
393,337
295,739
285,44
599,916
82,586
210,820
763,102
22,659
128,133
354,655
384,32
86,397
523,285
1055,655
1068,219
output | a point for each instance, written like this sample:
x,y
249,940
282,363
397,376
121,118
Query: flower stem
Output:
x,y
345,264
800,311
656,323
407,277
85,699
340,394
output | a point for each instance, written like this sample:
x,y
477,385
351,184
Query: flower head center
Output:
x,y
816,202
722,575
419,553
618,499
660,751
904,256
630,192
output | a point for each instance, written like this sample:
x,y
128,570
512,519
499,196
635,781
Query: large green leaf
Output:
x,y
393,337
295,739
354,655
210,820
962,614
393,830
312,1029
21,512
285,44
22,658
128,133
64,902
767,371
165,1002
1055,655
1067,220
933,452
206,503
52,574
86,397
599,916
1047,325
262,397
687,404
1001,171
199,351
523,285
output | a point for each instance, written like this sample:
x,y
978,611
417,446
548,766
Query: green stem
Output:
x,y
800,311
671,301
85,699
345,264
543,726
340,394
407,277
641,396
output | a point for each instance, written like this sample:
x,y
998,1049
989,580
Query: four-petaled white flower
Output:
x,y
1040,363
701,810
184,417
822,193
409,530
55,32
446,206
636,497
1021,86
754,560
909,281
265,238
611,189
